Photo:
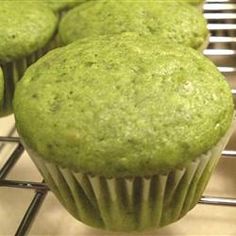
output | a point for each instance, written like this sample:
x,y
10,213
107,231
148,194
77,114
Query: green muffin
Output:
x,y
58,6
169,21
62,5
193,2
125,130
26,30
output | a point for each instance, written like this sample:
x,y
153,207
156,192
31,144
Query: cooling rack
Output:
x,y
221,16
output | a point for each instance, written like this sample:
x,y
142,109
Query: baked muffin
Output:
x,y
125,130
61,6
193,2
197,3
172,22
26,30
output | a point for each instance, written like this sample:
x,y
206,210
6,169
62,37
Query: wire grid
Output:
x,y
221,16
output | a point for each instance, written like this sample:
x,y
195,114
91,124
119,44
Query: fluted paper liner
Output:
x,y
131,204
14,70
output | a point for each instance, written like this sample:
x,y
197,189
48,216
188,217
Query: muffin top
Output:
x,y
193,2
25,27
122,106
59,5
172,22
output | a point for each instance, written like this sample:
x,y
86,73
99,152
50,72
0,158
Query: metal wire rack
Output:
x,y
221,16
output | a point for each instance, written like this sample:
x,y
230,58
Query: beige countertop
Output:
x,y
203,220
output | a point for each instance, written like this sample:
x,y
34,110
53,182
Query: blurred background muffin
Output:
x,y
193,2
61,6
26,31
185,24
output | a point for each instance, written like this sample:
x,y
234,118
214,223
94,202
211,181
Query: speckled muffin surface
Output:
x,y
170,21
193,2
25,27
120,106
60,5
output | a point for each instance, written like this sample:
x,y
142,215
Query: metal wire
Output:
x,y
9,139
24,184
31,213
214,10
219,6
220,201
219,52
4,171
221,39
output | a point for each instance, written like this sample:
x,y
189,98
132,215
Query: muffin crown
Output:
x,y
122,106
169,21
60,5
25,27
193,2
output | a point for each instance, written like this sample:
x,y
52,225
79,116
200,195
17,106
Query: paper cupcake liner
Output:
x,y
131,204
14,70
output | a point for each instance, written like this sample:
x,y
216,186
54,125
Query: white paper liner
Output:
x,y
131,204
13,72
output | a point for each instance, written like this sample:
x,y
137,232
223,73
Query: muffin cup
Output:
x,y
14,70
132,203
